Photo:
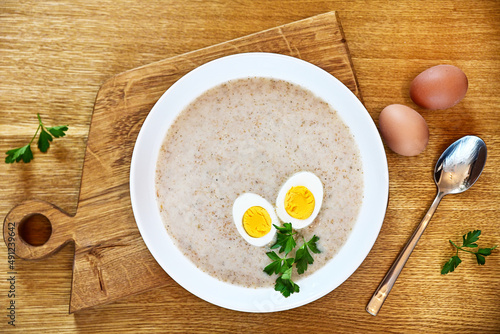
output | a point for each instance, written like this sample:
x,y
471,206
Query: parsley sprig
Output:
x,y
25,154
468,241
283,266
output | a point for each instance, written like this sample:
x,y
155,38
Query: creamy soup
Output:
x,y
251,135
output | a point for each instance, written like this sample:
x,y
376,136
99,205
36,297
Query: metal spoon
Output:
x,y
456,170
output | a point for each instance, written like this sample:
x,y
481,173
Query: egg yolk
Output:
x,y
257,222
299,202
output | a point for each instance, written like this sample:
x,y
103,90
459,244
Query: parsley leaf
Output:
x,y
451,265
279,265
303,257
470,238
480,259
486,251
25,154
468,241
481,253
22,153
44,141
285,285
284,241
58,131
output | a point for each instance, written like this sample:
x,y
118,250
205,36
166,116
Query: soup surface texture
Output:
x,y
251,135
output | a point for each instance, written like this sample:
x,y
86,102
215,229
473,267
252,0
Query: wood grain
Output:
x,y
56,55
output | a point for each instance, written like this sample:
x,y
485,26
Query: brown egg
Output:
x,y
439,87
404,130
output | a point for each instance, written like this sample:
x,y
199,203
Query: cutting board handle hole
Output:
x,y
35,229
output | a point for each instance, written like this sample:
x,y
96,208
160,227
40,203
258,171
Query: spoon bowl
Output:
x,y
460,165
457,169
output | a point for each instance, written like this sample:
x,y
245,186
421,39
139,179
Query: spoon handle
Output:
x,y
390,278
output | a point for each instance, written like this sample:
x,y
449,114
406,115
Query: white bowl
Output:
x,y
143,169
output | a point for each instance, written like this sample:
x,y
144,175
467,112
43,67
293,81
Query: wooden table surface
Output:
x,y
54,55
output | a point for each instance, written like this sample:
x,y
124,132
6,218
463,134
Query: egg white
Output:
x,y
311,182
245,202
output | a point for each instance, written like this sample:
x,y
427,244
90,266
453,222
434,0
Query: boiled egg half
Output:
x,y
254,217
300,199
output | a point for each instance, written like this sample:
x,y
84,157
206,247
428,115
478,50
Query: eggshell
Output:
x,y
439,87
404,130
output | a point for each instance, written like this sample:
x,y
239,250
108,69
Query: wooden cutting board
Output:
x,y
111,259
